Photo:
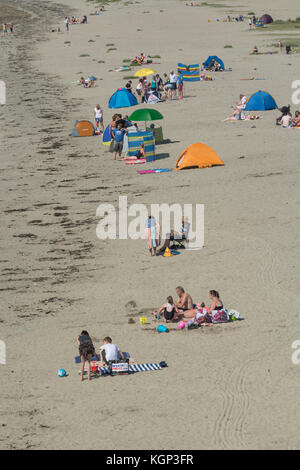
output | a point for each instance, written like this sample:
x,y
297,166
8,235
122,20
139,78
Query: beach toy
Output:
x,y
143,320
61,373
167,252
181,325
162,329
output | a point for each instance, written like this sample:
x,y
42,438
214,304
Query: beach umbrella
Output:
x,y
145,114
144,73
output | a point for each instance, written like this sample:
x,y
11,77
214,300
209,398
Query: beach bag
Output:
x,y
234,315
219,316
119,368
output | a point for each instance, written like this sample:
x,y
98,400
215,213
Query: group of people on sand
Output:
x,y
185,310
73,20
108,352
286,119
6,27
213,66
166,87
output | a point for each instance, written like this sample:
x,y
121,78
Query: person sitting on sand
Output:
x,y
284,110
286,120
243,101
185,301
168,310
86,352
235,116
296,120
109,352
255,50
181,235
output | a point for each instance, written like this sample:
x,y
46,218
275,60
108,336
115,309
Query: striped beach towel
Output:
x,y
190,73
133,368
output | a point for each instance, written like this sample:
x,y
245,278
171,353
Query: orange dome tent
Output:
x,y
198,156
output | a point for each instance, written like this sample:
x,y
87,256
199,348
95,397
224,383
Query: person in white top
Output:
x,y
243,101
98,114
109,351
173,82
286,120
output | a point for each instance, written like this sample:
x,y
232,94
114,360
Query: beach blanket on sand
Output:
x,y
133,368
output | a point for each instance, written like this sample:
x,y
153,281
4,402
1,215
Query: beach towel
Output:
x,y
133,368
129,161
156,170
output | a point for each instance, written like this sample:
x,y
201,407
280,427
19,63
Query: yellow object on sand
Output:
x,y
143,320
144,72
167,252
198,156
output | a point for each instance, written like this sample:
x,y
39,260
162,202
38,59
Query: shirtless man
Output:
x,y
185,301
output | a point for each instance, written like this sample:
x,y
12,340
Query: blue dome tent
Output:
x,y
122,98
261,101
214,57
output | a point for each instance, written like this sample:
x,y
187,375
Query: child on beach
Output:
x,y
118,136
180,87
169,310
86,352
98,114
109,351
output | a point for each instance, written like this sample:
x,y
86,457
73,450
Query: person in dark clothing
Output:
x,y
86,351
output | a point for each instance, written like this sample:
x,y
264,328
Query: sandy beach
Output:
x,y
230,386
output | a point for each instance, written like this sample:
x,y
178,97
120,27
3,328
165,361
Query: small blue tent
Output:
x,y
214,57
122,98
261,101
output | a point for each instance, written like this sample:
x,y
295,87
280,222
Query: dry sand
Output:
x,y
230,386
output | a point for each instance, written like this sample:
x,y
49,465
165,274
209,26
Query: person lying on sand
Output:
x,y
168,310
109,352
86,352
185,301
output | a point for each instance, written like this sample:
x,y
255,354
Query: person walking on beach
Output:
x,y
280,46
98,114
67,23
86,352
11,27
4,29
